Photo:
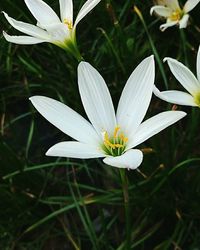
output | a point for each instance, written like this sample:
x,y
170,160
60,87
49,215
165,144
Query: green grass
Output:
x,y
58,203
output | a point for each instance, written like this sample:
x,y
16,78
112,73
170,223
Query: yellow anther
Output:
x,y
117,145
112,145
109,144
116,141
116,131
107,141
123,138
176,15
68,23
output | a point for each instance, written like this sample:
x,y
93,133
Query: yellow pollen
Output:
x,y
123,138
68,23
116,131
115,142
176,15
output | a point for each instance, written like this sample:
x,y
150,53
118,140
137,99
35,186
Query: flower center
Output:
x,y
197,99
114,145
176,15
68,23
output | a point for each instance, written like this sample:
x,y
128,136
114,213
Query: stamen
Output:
x,y
116,131
116,144
123,138
68,23
176,15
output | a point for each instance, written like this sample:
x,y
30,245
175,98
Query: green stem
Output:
x,y
70,46
74,51
153,47
183,42
124,180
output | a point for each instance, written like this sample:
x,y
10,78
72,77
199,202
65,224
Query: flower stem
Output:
x,y
124,180
71,47
74,51
153,47
184,47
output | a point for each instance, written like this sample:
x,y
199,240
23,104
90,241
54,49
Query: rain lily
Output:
x,y
107,135
49,28
174,14
187,80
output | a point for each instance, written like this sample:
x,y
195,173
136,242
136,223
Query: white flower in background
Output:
x,y
49,28
108,135
174,14
187,80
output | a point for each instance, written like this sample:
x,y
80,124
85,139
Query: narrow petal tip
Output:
x,y
151,61
151,57
49,152
152,10
5,15
166,59
181,114
34,98
4,33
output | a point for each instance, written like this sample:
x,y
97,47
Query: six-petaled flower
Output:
x,y
109,135
174,14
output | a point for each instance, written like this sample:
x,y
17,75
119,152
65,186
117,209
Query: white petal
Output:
x,y
161,11
164,26
66,119
42,12
66,10
184,21
58,32
74,150
172,4
183,75
86,8
26,40
198,64
176,97
27,28
154,125
190,4
131,159
96,98
136,96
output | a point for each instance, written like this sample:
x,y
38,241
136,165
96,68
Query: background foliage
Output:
x,y
58,203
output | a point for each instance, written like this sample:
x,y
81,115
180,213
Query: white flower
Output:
x,y
187,80
108,135
175,15
49,28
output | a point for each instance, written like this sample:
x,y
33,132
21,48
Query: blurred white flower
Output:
x,y
49,28
187,80
108,135
174,14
